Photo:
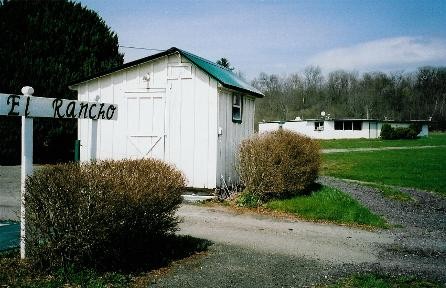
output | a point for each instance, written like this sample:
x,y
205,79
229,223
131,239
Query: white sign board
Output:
x,y
33,107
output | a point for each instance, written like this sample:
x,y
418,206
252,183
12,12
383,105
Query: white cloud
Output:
x,y
383,54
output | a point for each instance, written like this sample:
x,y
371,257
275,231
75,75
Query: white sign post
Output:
x,y
29,107
26,167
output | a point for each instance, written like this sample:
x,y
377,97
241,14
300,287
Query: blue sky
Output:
x,y
283,37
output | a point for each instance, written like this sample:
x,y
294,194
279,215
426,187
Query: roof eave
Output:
x,y
122,67
255,94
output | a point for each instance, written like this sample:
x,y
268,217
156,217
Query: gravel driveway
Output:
x,y
322,242
422,222
253,250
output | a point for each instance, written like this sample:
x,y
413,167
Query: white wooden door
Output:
x,y
146,133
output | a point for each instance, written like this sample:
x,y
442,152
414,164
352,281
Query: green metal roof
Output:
x,y
223,75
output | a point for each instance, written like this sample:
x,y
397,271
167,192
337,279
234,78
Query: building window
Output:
x,y
236,108
348,125
339,125
319,126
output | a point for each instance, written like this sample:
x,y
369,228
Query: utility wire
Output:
x,y
140,48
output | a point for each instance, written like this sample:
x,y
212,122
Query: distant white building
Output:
x,y
339,128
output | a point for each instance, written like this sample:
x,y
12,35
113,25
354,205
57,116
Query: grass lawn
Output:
x,y
434,139
328,204
419,168
377,281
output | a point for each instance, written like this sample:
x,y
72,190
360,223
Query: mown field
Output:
x,y
419,168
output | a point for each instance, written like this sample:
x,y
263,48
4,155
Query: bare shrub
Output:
x,y
102,214
278,163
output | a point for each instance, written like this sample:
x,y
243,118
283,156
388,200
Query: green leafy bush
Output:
x,y
386,132
247,199
100,214
390,133
278,163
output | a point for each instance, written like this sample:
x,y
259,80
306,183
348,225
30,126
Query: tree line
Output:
x,y
420,94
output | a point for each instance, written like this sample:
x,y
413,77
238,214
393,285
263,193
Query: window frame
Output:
x,y
318,125
237,106
337,127
348,125
356,123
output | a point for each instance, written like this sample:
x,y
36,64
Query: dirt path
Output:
x,y
343,150
323,242
253,251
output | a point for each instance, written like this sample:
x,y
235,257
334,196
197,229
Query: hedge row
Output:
x,y
390,133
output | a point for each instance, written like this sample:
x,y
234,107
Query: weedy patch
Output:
x,y
391,192
320,204
328,204
380,281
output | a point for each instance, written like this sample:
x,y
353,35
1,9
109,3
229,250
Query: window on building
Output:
x,y
237,108
319,125
348,125
357,125
339,125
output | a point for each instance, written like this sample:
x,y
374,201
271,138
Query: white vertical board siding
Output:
x,y
113,137
205,135
119,138
232,134
187,131
92,92
105,128
179,102
192,122
213,133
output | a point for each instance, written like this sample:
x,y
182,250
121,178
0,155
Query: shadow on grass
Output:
x,y
143,256
314,187
172,248
15,273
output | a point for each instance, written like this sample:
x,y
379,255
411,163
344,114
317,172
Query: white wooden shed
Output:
x,y
173,106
